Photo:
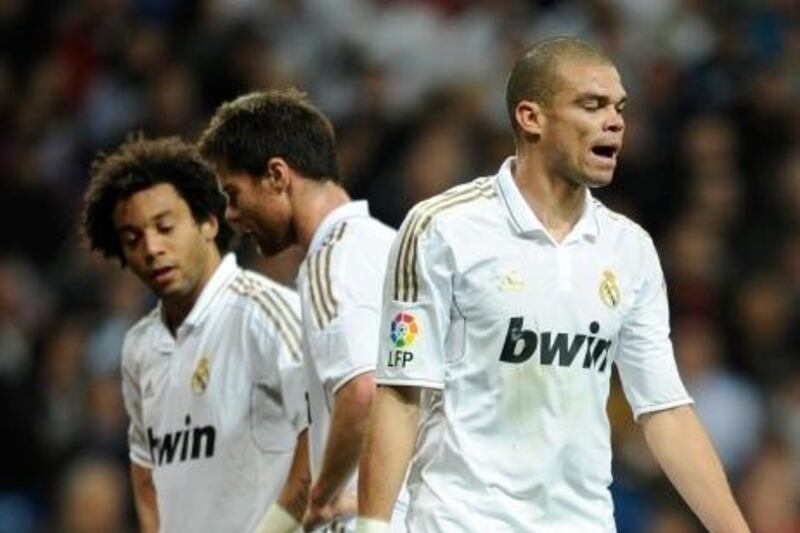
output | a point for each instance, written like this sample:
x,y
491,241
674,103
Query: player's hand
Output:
x,y
343,506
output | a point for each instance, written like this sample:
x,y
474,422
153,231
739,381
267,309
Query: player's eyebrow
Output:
x,y
161,215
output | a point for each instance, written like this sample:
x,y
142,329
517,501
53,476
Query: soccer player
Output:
x,y
275,155
506,302
212,378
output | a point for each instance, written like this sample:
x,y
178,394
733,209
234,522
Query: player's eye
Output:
x,y
128,239
592,104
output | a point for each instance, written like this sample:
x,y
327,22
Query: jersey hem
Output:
x,y
424,383
660,407
352,375
140,462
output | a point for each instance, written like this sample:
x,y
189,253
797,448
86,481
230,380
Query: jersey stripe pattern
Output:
x,y
286,320
319,265
406,285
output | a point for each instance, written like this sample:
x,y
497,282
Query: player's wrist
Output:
x,y
277,520
319,497
372,525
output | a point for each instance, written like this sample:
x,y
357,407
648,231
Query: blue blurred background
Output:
x,y
711,168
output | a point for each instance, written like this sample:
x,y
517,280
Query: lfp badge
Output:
x,y
404,330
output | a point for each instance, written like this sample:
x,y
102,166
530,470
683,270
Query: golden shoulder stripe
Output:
x,y
418,220
407,231
406,286
277,309
253,286
293,319
316,305
283,316
321,287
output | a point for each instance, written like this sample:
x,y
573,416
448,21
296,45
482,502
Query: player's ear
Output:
x,y
210,228
277,174
530,118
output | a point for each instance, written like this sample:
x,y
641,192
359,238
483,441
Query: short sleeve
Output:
x,y
645,358
139,450
416,311
345,347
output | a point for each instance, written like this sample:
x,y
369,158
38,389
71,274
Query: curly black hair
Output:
x,y
138,164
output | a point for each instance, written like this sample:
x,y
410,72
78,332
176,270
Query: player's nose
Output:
x,y
615,122
153,245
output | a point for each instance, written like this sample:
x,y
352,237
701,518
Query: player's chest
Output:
x,y
579,287
194,377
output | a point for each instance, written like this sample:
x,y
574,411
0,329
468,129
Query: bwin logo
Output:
x,y
521,344
193,443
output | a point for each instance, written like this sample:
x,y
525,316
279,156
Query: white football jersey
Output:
x,y
513,335
215,411
340,284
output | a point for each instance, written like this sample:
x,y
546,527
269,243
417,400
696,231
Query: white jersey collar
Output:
x,y
522,216
225,272
353,208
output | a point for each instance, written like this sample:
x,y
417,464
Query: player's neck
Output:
x,y
175,309
557,202
312,203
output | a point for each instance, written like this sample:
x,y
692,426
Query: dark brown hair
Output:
x,y
245,133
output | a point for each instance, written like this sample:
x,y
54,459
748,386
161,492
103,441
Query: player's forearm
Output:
x,y
682,448
348,424
294,495
388,447
144,494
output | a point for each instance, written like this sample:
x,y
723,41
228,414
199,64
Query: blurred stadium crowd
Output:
x,y
711,168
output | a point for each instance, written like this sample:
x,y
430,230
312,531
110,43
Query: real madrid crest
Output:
x,y
609,289
200,376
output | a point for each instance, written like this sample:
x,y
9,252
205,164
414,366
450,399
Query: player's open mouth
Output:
x,y
162,275
605,155
608,151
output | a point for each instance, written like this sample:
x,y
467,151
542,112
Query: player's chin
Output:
x,y
166,291
599,179
269,247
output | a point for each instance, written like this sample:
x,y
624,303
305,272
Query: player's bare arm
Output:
x,y
681,446
388,446
294,496
144,494
348,424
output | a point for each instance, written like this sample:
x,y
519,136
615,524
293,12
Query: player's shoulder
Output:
x,y
252,282
617,225
356,235
138,335
351,249
467,200
366,226
346,269
250,287
272,308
